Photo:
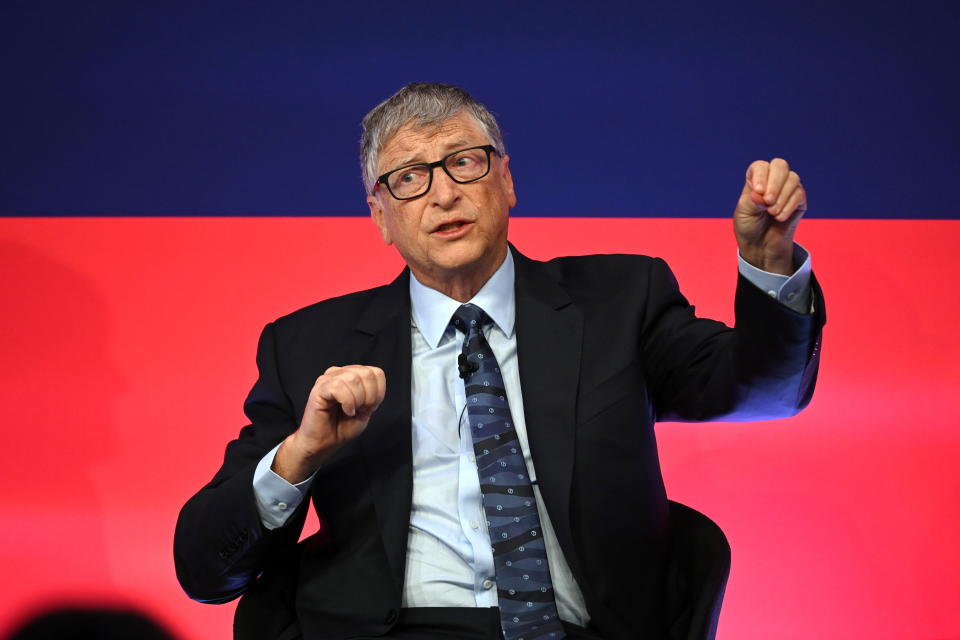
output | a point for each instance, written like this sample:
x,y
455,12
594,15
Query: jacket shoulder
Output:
x,y
330,321
602,261
596,274
347,305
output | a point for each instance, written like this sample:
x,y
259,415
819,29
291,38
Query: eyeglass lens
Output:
x,y
462,166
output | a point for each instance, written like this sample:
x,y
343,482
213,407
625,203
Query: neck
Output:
x,y
464,284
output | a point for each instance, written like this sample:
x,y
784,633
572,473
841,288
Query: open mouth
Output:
x,y
450,226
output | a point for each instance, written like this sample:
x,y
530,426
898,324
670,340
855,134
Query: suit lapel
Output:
x,y
549,338
383,335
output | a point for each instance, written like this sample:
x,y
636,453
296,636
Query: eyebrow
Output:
x,y
448,147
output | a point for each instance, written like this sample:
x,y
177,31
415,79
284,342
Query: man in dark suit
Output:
x,y
361,403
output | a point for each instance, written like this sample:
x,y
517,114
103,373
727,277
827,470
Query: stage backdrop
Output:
x,y
232,128
128,347
242,107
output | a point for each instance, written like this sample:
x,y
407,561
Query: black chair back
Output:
x,y
697,571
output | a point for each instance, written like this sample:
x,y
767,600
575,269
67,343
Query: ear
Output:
x,y
376,212
506,180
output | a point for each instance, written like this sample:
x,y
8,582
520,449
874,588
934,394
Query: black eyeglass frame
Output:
x,y
442,163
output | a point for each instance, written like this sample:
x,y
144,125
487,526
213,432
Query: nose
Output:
x,y
444,192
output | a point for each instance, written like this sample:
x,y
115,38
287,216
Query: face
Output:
x,y
455,236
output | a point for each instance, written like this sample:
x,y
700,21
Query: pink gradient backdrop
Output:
x,y
128,348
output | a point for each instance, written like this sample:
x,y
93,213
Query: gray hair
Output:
x,y
424,104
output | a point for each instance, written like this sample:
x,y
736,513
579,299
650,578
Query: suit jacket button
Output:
x,y
392,616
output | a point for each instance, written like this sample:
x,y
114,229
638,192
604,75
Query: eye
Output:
x,y
412,174
470,158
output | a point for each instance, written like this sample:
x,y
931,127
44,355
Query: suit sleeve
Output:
x,y
765,367
220,544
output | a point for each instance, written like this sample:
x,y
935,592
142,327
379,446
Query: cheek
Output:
x,y
406,235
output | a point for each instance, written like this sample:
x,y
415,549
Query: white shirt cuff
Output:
x,y
277,499
794,290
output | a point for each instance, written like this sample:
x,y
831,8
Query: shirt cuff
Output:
x,y
277,499
792,291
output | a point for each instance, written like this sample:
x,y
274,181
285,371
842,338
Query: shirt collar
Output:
x,y
432,310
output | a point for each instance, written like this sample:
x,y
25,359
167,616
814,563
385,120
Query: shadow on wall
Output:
x,y
56,388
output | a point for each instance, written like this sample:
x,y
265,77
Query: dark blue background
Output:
x,y
609,109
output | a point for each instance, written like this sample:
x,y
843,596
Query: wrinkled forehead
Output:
x,y
418,141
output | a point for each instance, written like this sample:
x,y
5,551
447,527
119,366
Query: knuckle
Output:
x,y
352,382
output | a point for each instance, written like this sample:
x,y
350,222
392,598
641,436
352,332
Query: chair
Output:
x,y
697,569
698,563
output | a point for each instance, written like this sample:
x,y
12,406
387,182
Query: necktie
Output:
x,y
524,590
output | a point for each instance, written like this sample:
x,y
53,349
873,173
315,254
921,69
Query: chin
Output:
x,y
460,254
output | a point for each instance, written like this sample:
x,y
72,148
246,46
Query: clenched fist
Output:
x,y
768,212
338,409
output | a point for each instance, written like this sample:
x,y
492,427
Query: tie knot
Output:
x,y
470,317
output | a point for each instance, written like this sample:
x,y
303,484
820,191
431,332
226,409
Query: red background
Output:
x,y
128,348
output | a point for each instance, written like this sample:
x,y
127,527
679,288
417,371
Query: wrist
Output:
x,y
771,261
295,461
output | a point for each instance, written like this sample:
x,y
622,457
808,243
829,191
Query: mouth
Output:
x,y
451,226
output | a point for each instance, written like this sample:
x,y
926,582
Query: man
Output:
x,y
477,437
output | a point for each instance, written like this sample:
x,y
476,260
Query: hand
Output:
x,y
338,409
767,215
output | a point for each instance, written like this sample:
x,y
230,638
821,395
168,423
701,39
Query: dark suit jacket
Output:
x,y
606,347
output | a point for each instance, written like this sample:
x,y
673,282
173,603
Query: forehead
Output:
x,y
418,143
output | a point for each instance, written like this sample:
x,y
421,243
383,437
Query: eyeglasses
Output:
x,y
414,180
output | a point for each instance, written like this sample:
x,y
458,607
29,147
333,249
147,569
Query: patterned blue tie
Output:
x,y
527,607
